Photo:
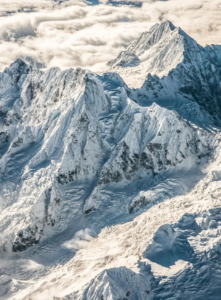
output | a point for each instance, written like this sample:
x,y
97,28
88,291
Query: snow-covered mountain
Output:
x,y
166,64
157,52
131,174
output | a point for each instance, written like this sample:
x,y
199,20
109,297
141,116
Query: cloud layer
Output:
x,y
72,33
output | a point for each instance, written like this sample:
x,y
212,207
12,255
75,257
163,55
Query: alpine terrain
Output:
x,y
110,184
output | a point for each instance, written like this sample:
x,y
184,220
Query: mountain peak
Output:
x,y
16,69
156,34
164,26
156,51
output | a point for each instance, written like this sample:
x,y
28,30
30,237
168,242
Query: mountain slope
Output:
x,y
120,264
84,159
72,141
157,52
166,64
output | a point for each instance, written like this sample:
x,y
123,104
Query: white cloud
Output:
x,y
74,34
80,240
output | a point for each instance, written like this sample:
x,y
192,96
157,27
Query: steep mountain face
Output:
x,y
177,68
73,141
86,161
171,251
157,52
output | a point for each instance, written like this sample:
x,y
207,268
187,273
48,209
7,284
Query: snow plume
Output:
x,y
71,33
80,240
6,242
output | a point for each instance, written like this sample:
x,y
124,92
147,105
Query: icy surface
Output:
x,y
108,192
157,52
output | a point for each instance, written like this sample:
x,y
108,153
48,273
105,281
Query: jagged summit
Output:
x,y
157,51
149,38
166,64
16,69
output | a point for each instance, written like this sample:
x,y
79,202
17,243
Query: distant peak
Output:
x,y
156,51
169,24
162,27
18,62
152,37
159,31
16,69
166,24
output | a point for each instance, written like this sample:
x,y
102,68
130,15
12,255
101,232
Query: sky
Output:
x,y
77,33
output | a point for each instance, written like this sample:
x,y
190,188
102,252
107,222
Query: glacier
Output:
x,y
110,183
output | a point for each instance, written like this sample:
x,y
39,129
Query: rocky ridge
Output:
x,y
83,155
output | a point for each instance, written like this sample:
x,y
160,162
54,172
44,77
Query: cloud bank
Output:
x,y
72,33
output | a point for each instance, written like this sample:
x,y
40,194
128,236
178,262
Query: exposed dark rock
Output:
x,y
88,211
141,202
